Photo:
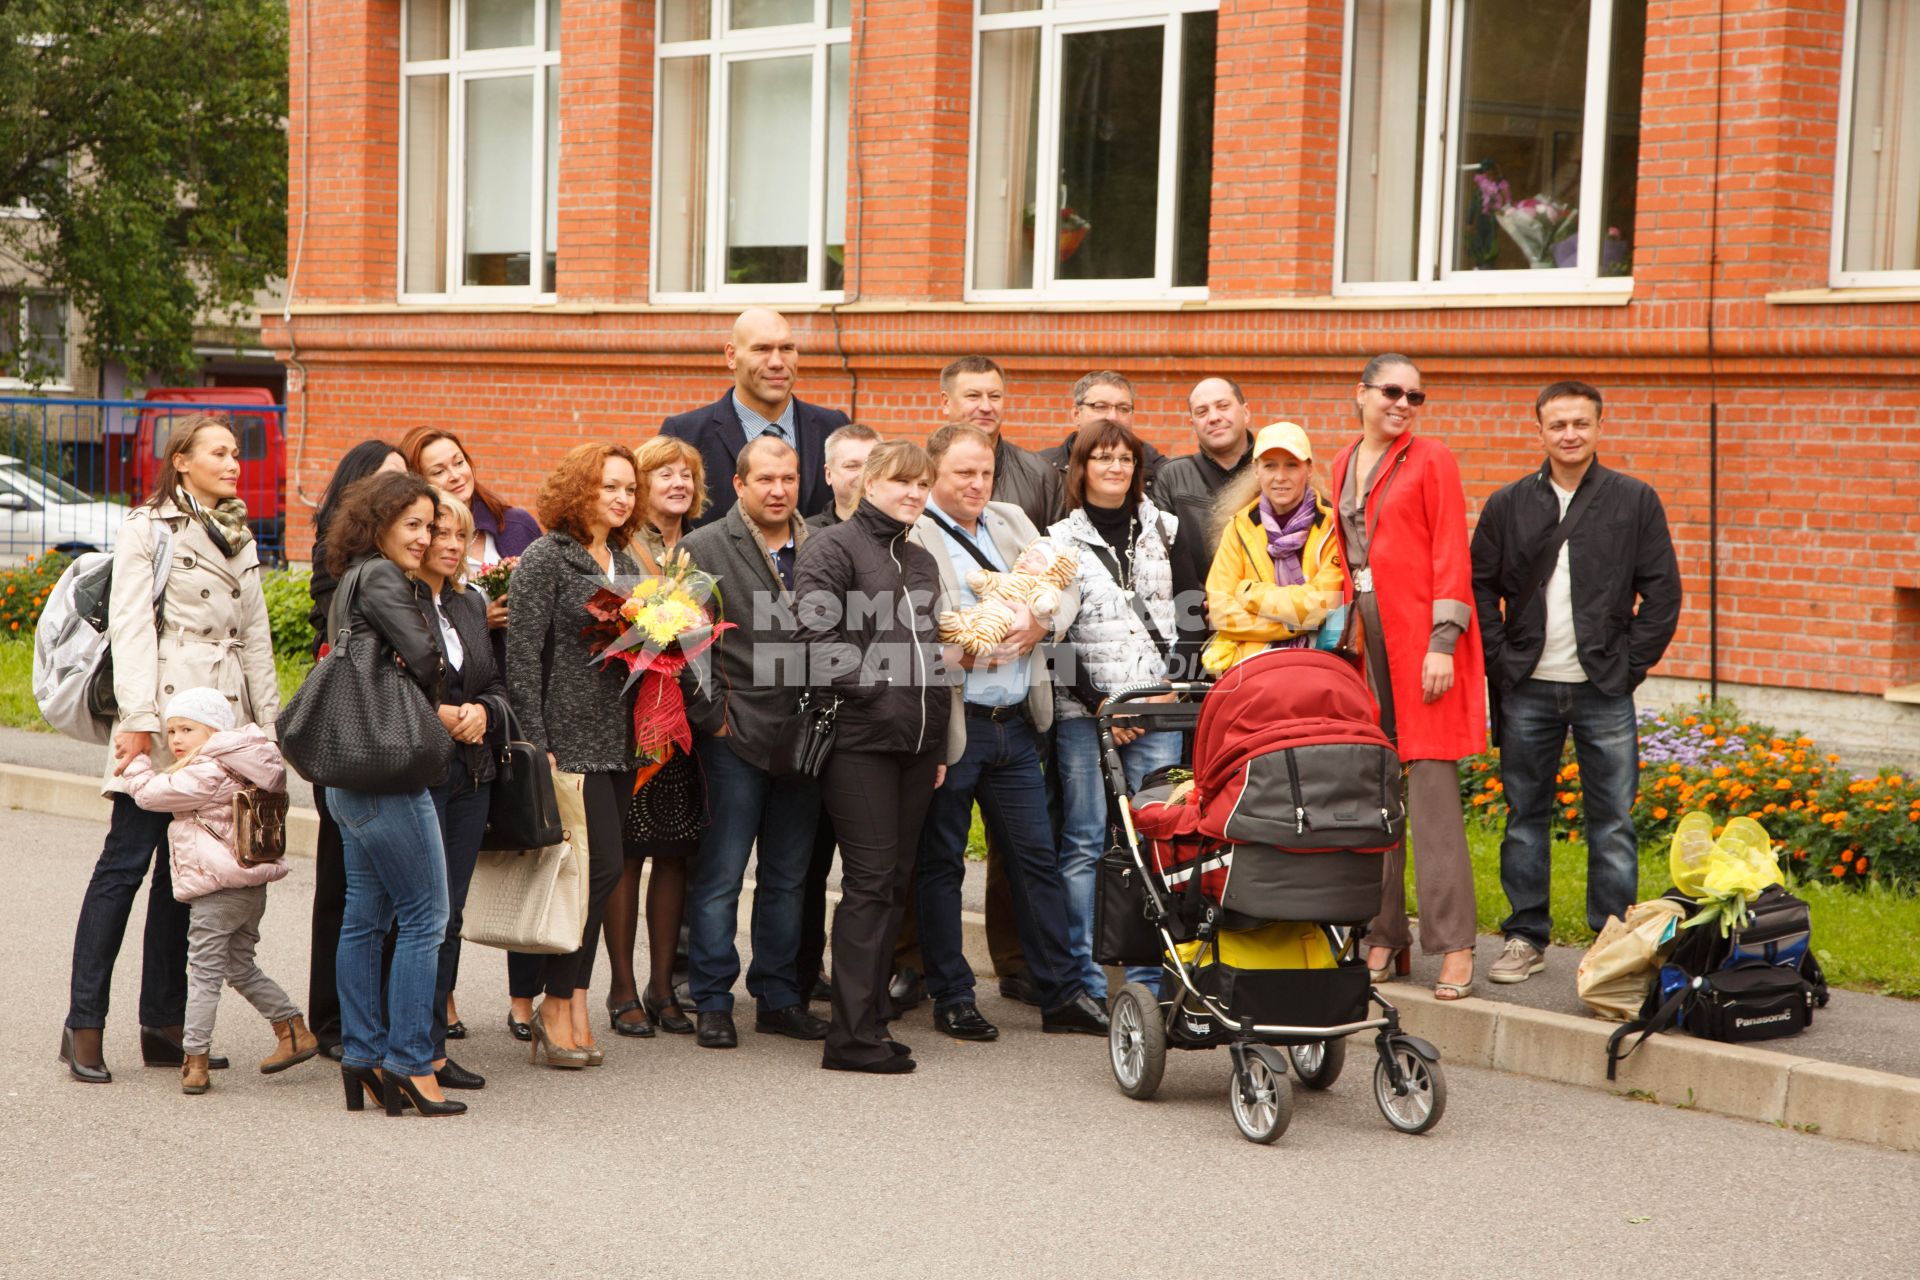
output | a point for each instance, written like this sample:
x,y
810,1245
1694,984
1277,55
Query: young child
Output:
x,y
228,899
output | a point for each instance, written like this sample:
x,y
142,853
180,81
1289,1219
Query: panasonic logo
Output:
x,y
1761,1022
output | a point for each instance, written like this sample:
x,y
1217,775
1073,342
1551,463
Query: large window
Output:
x,y
1877,236
1490,144
481,127
1093,148
750,188
33,338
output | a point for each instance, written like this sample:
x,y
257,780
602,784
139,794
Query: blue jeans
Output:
x,y
461,806
1535,718
133,837
396,874
1083,836
1001,768
750,808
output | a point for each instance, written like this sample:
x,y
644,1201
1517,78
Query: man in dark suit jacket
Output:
x,y
765,362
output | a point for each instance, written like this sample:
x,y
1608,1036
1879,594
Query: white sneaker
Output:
x,y
1518,962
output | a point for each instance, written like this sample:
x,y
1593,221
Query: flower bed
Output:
x,y
1824,819
23,591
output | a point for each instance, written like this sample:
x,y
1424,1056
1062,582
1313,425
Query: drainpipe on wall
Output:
x,y
1713,376
297,384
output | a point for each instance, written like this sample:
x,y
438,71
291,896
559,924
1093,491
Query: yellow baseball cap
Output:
x,y
1283,435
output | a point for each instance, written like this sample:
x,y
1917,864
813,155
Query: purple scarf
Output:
x,y
1286,541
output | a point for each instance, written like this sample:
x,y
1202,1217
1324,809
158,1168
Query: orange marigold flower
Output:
x,y
1861,866
1659,814
1799,855
1721,771
1690,721
1839,870
1832,758
1566,797
1740,728
1803,742
1571,811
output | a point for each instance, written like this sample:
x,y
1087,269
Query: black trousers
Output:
x,y
813,907
329,905
878,802
605,797
134,837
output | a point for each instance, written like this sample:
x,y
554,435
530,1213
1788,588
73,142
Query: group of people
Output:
x,y
837,552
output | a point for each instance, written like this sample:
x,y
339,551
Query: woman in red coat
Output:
x,y
1403,533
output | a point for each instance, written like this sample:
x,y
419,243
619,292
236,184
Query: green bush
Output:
x,y
288,602
23,592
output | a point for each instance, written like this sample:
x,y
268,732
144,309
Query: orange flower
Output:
x,y
1566,797
1721,771
1659,814
1781,784
1839,870
1690,721
1571,811
1803,742
1861,866
1740,728
1799,855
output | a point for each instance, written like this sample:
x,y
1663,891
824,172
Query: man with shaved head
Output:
x,y
1187,487
765,362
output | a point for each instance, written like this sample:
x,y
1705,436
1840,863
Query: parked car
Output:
x,y
263,451
41,512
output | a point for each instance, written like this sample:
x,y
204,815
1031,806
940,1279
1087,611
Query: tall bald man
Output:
x,y
765,362
1187,486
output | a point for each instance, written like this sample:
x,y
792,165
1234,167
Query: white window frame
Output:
x,y
1057,19
724,49
1440,151
63,380
460,68
1839,276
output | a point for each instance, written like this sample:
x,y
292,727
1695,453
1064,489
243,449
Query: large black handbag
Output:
x,y
522,812
803,743
359,722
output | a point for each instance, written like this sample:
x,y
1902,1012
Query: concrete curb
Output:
x,y
1806,1094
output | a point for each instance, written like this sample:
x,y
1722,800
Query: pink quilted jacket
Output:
x,y
202,790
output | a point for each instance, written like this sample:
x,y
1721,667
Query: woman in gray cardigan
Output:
x,y
579,710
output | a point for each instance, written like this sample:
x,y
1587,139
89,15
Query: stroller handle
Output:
x,y
1132,703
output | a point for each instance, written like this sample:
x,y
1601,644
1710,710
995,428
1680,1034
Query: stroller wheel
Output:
x,y
1420,1107
1137,1041
1261,1095
1319,1064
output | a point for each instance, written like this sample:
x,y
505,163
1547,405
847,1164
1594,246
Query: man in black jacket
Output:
x,y
765,361
736,713
1100,396
1559,560
1187,487
973,393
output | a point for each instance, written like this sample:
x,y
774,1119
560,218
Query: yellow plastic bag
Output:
x,y
1724,872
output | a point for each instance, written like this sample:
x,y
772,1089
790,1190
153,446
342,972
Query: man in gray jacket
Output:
x,y
736,712
993,753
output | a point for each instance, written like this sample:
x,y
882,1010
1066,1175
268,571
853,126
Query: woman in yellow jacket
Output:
x,y
1277,575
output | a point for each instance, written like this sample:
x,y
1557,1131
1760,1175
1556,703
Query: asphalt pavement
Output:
x,y
1018,1158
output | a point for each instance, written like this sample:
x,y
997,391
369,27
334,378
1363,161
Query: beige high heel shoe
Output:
x,y
565,1059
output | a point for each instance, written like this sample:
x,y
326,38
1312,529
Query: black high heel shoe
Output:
x,y
161,1047
360,1084
85,1072
666,1015
401,1091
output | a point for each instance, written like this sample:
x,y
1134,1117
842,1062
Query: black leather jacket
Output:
x,y
848,586
386,603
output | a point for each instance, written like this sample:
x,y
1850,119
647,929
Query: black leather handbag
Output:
x,y
522,812
359,722
806,739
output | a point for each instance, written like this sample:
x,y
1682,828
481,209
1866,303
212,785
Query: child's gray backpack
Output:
x,y
72,663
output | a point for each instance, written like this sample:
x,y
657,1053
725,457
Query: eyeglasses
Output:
x,y
1122,460
1393,391
1103,407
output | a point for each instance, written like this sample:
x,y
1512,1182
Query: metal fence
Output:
x,y
70,470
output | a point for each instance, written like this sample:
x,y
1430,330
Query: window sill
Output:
x,y
1850,294
1909,693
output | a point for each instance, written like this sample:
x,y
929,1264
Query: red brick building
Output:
x,y
532,219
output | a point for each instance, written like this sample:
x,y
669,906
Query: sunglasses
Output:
x,y
1393,391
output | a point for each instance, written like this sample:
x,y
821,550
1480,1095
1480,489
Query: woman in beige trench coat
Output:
x,y
210,629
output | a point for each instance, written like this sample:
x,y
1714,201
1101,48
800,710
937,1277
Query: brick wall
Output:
x,y
1819,500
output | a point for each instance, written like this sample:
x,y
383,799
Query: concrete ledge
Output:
x,y
1851,1102
73,795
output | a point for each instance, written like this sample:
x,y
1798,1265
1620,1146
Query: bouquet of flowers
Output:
x,y
1721,869
655,631
1536,224
493,578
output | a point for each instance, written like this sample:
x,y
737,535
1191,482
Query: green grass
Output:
x,y
1864,935
18,710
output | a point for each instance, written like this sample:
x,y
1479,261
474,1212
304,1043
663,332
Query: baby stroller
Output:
x,y
1257,874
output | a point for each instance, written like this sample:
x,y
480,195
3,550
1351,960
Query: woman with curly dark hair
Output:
x,y
395,860
576,709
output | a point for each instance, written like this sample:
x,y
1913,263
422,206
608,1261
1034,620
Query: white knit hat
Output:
x,y
202,705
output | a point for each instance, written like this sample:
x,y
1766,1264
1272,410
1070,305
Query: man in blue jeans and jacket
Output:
x,y
993,755
736,712
1578,594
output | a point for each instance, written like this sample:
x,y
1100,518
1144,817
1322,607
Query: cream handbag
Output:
x,y
1613,974
534,900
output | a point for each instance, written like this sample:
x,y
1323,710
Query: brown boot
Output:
x,y
193,1074
297,1044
